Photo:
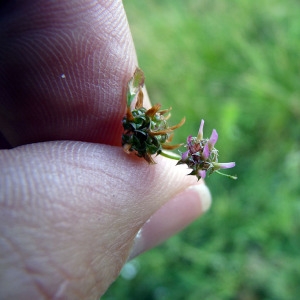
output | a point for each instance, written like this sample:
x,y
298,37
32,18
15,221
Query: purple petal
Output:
x,y
189,139
206,152
224,165
200,132
202,173
185,155
213,139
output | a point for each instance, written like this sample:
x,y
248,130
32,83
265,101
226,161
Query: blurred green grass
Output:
x,y
237,65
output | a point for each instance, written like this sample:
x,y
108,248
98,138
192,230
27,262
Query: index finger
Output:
x,y
65,68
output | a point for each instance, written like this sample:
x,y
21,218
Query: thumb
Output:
x,y
70,212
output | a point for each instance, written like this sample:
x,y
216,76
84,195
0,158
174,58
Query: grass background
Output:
x,y
237,65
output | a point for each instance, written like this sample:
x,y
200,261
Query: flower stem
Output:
x,y
230,176
170,155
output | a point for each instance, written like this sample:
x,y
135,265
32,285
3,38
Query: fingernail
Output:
x,y
171,218
203,194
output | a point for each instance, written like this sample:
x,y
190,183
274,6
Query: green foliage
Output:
x,y
235,64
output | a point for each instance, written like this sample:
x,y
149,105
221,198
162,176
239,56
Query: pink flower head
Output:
x,y
202,156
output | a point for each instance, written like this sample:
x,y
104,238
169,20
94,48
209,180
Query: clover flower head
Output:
x,y
146,131
202,156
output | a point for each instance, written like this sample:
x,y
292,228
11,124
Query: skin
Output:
x,y
71,201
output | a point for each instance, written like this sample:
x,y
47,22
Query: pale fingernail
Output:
x,y
171,218
204,196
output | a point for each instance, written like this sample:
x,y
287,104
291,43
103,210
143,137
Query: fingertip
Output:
x,y
172,217
204,196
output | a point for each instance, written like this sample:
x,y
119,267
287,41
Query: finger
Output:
x,y
64,70
70,212
172,217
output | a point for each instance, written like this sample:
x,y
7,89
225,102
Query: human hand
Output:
x,y
72,202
